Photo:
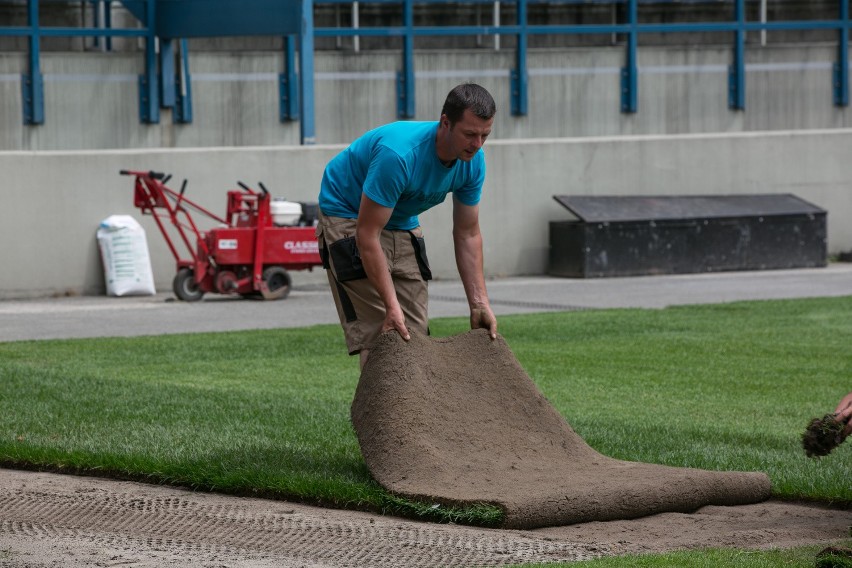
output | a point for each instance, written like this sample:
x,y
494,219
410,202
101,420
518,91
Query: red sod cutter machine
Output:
x,y
249,253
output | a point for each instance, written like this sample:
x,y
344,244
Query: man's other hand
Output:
x,y
481,317
395,319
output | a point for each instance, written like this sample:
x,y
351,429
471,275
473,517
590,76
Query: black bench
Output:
x,y
641,235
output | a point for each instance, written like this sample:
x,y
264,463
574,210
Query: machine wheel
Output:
x,y
277,282
184,286
226,282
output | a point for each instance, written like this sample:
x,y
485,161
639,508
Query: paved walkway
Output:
x,y
310,303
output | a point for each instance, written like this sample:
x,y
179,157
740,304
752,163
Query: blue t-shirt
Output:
x,y
396,166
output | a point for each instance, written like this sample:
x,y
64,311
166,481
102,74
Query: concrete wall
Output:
x,y
91,99
62,177
53,201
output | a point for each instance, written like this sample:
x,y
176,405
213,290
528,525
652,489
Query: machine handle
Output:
x,y
150,174
263,188
183,187
244,186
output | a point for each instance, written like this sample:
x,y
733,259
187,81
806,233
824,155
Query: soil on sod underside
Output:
x,y
457,420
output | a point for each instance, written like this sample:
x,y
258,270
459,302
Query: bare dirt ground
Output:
x,y
64,521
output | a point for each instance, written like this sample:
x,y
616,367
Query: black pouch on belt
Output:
x,y
346,260
420,254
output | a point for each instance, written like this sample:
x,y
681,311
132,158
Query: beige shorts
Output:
x,y
359,305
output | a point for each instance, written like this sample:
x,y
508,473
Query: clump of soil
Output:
x,y
458,421
834,557
823,435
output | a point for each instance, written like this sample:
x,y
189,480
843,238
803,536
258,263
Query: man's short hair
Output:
x,y
469,96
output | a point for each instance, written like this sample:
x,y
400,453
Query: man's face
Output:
x,y
465,137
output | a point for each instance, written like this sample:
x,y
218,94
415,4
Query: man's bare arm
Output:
x,y
372,218
467,240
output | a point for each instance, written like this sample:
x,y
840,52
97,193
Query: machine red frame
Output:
x,y
247,254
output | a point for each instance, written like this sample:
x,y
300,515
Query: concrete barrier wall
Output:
x,y
91,99
54,201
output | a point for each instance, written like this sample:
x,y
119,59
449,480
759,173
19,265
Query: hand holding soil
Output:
x,y
824,434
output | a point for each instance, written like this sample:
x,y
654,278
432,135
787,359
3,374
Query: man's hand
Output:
x,y
395,319
481,317
843,413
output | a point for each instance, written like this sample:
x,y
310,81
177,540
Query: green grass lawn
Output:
x,y
801,557
267,412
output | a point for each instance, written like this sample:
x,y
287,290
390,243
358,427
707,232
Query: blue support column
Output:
x,y
105,23
736,72
96,19
183,90
630,71
149,104
32,84
175,86
167,73
288,92
841,67
108,22
519,77
306,70
405,103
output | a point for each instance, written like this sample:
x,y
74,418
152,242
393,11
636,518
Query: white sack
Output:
x,y
124,251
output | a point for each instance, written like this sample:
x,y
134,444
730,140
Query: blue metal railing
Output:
x,y
158,87
32,83
631,28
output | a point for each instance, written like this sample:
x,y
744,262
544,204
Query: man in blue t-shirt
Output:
x,y
369,233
